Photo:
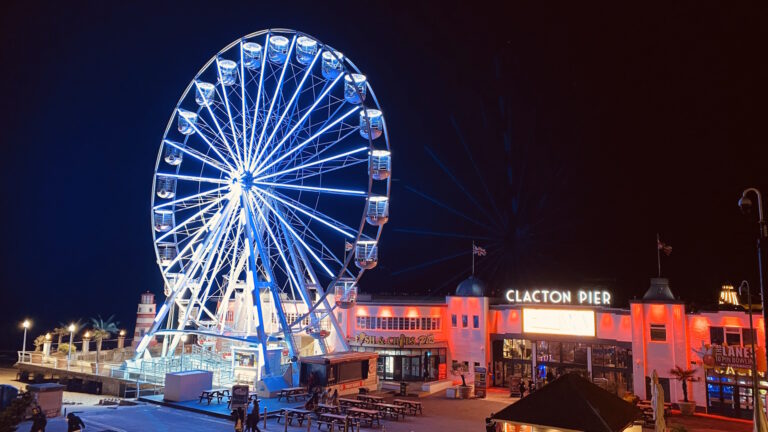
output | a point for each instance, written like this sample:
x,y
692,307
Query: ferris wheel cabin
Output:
x,y
204,93
165,187
173,155
163,220
377,213
187,121
306,48
366,254
345,293
371,123
252,55
380,164
278,49
332,66
227,72
166,253
354,88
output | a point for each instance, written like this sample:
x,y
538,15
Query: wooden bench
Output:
x,y
393,410
365,415
292,392
412,406
329,419
210,394
294,413
325,408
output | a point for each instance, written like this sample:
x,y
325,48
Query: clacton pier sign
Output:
x,y
553,296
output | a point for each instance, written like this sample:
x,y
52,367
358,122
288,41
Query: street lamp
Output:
x,y
26,325
183,342
71,329
745,204
757,414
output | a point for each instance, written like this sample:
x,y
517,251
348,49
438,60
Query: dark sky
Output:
x,y
561,136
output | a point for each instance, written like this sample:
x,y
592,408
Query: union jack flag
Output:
x,y
479,251
667,249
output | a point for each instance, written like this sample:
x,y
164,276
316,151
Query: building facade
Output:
x,y
537,334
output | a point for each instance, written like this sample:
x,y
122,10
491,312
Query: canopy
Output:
x,y
572,403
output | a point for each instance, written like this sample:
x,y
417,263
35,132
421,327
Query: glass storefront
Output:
x,y
407,364
729,392
513,361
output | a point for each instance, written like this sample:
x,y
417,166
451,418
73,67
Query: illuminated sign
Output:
x,y
568,322
731,357
400,341
543,296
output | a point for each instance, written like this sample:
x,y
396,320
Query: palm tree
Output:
x,y
39,342
684,375
102,329
60,332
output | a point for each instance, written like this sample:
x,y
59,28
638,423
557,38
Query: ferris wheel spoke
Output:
x,y
244,112
318,189
313,153
195,178
308,211
256,105
310,164
223,137
260,163
289,105
307,141
191,197
250,200
213,147
278,90
295,235
190,219
316,238
226,103
325,170
197,155
193,240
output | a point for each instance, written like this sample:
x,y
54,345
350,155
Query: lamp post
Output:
x,y
26,325
745,204
71,329
183,342
757,411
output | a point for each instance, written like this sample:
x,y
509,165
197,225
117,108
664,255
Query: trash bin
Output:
x,y
48,396
403,388
7,394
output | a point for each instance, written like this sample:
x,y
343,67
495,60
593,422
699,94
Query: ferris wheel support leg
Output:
x,y
256,242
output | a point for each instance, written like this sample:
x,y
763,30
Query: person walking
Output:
x,y
252,422
239,418
74,423
522,388
38,420
531,387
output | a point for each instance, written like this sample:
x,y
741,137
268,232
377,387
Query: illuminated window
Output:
x,y
464,321
475,321
453,321
658,332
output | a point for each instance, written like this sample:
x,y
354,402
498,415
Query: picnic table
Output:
x,y
412,405
370,398
346,402
365,415
393,410
326,408
292,392
339,420
210,394
294,413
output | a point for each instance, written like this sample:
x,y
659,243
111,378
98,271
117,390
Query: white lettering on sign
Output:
x,y
583,297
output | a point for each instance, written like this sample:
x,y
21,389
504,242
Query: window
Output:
x,y
453,321
658,332
475,321
733,336
464,321
716,335
748,336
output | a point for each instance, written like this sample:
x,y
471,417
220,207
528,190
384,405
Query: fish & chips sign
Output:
x,y
399,341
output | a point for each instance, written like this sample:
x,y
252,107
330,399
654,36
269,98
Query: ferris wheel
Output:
x,y
272,179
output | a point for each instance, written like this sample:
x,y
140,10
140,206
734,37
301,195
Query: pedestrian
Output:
x,y
522,388
311,383
334,398
238,416
252,422
74,423
38,420
426,374
531,387
550,376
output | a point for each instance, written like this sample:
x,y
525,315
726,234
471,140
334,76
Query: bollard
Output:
x,y
309,423
265,418
285,420
333,426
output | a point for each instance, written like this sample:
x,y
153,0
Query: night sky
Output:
x,y
561,137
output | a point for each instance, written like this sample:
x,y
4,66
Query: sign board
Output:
x,y
567,297
568,322
398,341
442,371
239,395
480,381
731,356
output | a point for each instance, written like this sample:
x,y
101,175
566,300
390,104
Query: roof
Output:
x,y
659,291
471,287
340,357
588,408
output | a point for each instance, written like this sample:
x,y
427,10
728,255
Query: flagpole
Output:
x,y
473,258
658,253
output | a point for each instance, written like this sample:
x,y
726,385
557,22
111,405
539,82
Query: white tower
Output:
x,y
145,317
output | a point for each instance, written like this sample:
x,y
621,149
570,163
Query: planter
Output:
x,y
687,408
463,392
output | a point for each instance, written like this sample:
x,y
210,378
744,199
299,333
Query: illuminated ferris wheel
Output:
x,y
273,176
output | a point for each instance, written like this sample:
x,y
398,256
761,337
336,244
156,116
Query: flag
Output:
x,y
479,251
348,246
667,249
